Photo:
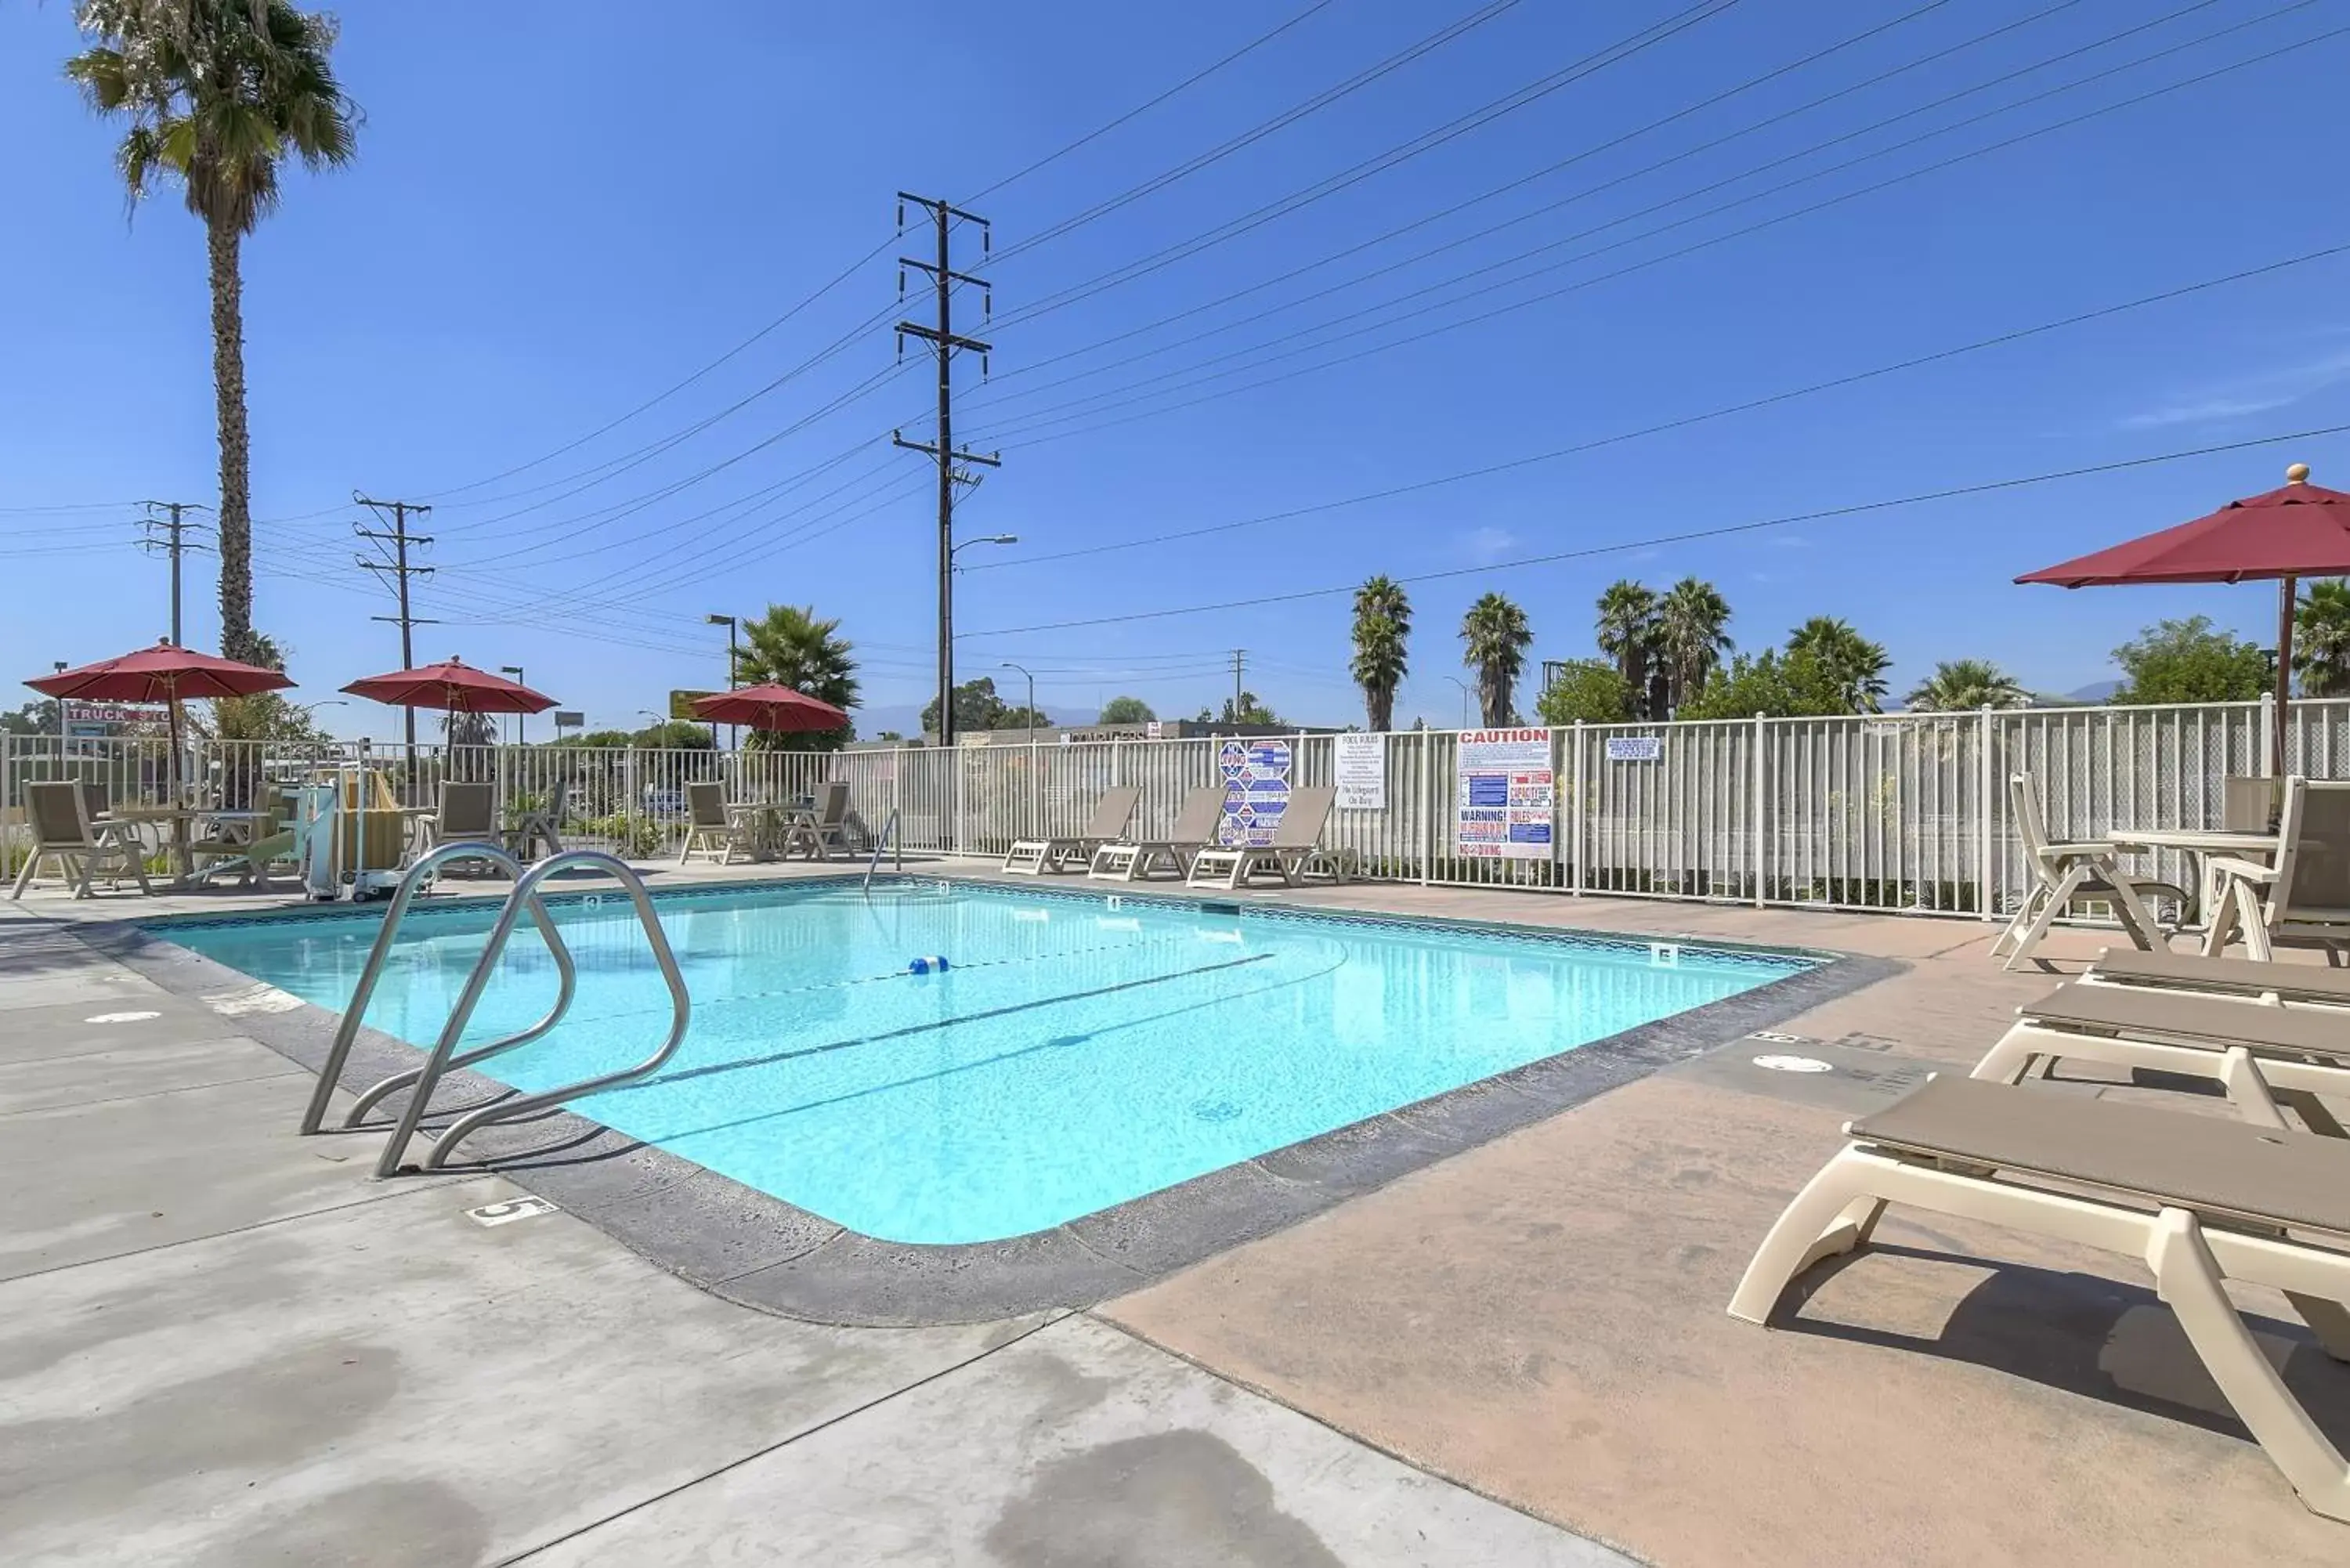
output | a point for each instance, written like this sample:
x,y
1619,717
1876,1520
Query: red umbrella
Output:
x,y
778,709
2299,531
454,685
164,673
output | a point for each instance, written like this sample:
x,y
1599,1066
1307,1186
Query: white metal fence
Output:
x,y
1903,811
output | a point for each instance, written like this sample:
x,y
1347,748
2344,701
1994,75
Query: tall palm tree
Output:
x,y
791,647
1495,638
1628,632
219,95
1856,664
1692,635
2321,653
1959,684
1382,628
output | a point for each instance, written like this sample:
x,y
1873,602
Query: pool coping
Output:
x,y
763,1252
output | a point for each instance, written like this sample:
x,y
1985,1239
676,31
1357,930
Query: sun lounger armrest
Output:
x,y
2242,870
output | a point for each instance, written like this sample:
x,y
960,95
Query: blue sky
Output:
x,y
560,212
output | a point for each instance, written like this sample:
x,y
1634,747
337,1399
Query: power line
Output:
x,y
1823,515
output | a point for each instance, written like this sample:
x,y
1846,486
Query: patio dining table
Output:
x,y
2201,846
768,823
129,819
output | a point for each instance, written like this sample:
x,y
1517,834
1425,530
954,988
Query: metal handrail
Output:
x,y
887,839
331,1074
443,1054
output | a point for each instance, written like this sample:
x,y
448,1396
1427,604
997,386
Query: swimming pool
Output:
x,y
1080,1051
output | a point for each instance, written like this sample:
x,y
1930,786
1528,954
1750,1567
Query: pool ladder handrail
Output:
x,y
444,1054
427,864
888,840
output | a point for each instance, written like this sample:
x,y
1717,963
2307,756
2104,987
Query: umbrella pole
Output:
x,y
2287,595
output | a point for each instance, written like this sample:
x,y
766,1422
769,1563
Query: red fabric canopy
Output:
x,y
778,709
2299,531
164,674
454,685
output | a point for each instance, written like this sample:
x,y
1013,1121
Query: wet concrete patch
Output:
x,y
1167,1500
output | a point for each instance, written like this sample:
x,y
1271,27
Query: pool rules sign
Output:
x,y
1505,793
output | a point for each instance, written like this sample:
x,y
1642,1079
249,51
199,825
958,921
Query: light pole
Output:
x,y
1031,725
732,659
946,632
522,720
1464,698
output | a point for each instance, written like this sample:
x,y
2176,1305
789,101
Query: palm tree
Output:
x,y
1690,635
1496,638
790,647
219,94
1856,664
1628,632
1959,684
1382,628
2321,654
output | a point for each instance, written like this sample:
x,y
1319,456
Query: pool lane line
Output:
x,y
935,1024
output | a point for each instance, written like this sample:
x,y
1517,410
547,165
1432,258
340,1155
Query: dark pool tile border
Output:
x,y
763,1252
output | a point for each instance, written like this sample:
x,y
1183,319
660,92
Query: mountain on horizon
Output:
x,y
2095,692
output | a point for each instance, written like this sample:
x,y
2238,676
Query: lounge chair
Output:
x,y
58,815
2304,899
1297,843
710,826
2199,1199
2258,1054
1136,858
1034,857
2280,983
467,813
2064,874
824,826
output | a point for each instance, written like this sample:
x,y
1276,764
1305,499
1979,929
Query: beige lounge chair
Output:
x,y
467,813
2271,981
2258,1054
57,812
2199,1199
709,827
2064,873
823,827
1297,842
1034,857
1134,858
2304,899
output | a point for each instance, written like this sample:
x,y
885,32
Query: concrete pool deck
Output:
x,y
219,1343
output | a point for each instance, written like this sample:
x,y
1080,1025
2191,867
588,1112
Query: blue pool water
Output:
x,y
1079,1053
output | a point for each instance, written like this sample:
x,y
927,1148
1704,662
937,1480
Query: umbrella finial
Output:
x,y
2297,474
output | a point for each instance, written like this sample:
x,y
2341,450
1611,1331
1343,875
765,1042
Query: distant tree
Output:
x,y
1381,636
791,646
477,730
1627,634
1023,719
1692,622
1957,685
2191,660
1586,690
889,735
1126,711
2320,650
38,718
1777,686
606,740
1251,712
1494,639
1856,664
977,707
672,735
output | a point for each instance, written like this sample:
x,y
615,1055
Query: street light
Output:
x,y
1464,698
1031,725
986,539
522,720
732,659
946,631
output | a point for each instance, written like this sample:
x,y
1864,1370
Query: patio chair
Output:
x,y
824,826
1136,857
2064,873
267,839
541,823
1296,841
2201,1200
2258,1054
1034,857
2277,982
2303,900
467,813
58,813
709,827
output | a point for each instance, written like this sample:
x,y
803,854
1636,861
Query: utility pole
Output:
x,y
944,343
173,542
396,568
1240,662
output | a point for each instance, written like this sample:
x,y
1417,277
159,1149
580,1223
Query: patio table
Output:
x,y
2201,846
